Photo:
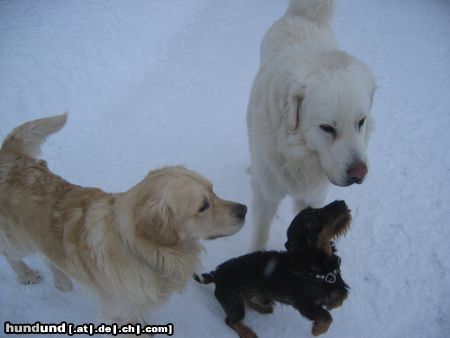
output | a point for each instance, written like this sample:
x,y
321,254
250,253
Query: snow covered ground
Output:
x,y
150,83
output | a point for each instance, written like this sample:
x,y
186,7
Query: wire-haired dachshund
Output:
x,y
306,276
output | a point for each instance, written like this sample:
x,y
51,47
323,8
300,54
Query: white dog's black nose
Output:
x,y
240,210
357,172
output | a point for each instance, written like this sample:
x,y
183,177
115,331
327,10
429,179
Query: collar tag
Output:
x,y
330,278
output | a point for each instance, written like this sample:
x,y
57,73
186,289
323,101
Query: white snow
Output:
x,y
151,83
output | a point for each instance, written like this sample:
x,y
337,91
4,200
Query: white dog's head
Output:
x,y
329,114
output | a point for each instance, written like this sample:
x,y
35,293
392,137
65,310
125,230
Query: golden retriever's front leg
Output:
x,y
24,273
60,279
123,314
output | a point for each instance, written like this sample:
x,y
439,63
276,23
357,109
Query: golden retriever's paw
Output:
x,y
64,285
60,280
30,277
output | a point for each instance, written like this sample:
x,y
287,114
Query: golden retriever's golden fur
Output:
x,y
134,248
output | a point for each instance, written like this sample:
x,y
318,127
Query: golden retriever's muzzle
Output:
x,y
237,213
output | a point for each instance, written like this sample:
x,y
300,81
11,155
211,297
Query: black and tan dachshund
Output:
x,y
306,276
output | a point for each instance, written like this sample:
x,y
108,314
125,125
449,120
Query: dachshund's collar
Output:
x,y
329,278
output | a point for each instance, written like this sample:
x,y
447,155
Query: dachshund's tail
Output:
x,y
205,278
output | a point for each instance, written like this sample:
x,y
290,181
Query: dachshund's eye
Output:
x,y
361,123
204,206
328,129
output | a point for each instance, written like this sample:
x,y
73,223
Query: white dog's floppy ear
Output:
x,y
372,95
157,223
294,107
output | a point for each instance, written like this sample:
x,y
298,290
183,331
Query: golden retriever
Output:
x,y
134,248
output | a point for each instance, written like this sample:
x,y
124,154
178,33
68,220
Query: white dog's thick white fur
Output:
x,y
308,115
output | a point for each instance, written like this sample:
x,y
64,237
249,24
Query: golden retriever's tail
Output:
x,y
28,137
205,278
320,11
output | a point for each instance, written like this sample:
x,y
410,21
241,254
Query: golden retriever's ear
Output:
x,y
157,223
295,100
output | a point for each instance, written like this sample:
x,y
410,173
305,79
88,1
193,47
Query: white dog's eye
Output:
x,y
361,122
328,129
204,206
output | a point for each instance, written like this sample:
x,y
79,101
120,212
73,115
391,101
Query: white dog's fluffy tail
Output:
x,y
319,11
28,137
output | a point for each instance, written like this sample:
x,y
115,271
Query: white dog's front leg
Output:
x,y
315,199
298,205
264,209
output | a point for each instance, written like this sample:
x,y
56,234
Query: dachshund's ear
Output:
x,y
157,223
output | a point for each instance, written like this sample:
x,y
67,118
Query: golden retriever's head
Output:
x,y
174,203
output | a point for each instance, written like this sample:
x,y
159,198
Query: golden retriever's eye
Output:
x,y
204,206
361,123
328,129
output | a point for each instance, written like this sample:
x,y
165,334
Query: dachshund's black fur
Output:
x,y
295,277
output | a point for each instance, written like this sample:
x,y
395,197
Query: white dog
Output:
x,y
308,116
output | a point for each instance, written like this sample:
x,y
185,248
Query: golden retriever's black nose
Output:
x,y
240,211
357,172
